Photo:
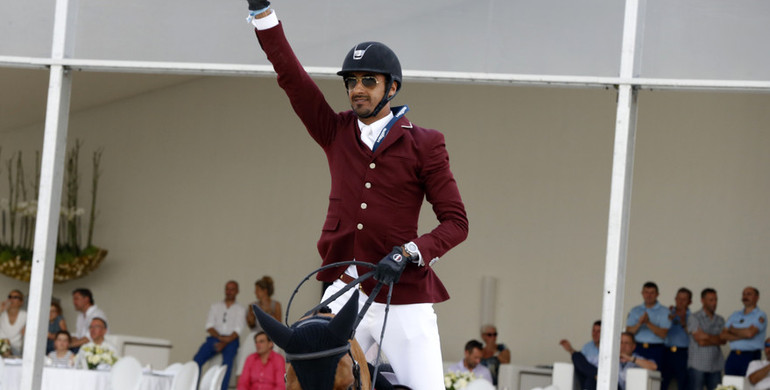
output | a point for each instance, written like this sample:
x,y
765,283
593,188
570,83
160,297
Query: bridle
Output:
x,y
326,353
333,352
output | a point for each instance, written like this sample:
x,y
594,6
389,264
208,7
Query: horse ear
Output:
x,y
277,331
342,324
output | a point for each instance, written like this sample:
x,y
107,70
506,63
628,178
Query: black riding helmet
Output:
x,y
374,57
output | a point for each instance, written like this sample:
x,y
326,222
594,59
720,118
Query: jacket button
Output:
x,y
372,165
360,226
363,206
368,185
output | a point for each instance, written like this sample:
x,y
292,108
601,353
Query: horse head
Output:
x,y
319,349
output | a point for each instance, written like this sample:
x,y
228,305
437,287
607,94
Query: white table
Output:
x,y
72,379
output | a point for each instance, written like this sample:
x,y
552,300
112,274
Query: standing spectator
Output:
x,y
225,322
758,372
589,353
265,369
13,321
493,354
263,289
649,324
383,167
83,300
677,341
745,330
56,324
61,356
704,356
472,362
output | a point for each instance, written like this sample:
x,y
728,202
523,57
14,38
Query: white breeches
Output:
x,y
411,341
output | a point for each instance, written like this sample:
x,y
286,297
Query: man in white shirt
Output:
x,y
471,362
225,322
758,372
96,330
83,300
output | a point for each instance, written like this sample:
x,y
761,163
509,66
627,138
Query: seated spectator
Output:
x,y
758,372
589,352
628,359
263,289
226,320
61,356
83,300
471,362
56,323
97,330
493,354
265,369
13,320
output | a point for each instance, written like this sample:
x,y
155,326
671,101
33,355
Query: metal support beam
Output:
x,y
49,200
617,238
620,200
213,69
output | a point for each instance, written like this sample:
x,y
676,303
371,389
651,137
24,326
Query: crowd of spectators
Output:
x,y
685,346
226,321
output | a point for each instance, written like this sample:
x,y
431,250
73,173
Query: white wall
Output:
x,y
215,179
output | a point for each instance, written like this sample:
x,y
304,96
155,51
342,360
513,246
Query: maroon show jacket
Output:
x,y
375,197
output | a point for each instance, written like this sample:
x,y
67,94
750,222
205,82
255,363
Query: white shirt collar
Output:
x,y
369,133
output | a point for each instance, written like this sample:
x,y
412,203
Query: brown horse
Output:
x,y
322,354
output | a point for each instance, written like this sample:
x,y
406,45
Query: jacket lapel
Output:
x,y
396,132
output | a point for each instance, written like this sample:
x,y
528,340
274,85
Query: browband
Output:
x,y
317,355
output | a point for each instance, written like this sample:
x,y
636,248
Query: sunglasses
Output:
x,y
490,334
367,81
14,297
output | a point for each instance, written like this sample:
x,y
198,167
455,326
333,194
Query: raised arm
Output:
x,y
306,98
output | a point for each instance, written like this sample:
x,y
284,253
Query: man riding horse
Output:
x,y
382,168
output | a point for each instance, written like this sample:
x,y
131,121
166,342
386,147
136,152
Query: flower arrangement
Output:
x,y
458,380
18,214
95,356
5,348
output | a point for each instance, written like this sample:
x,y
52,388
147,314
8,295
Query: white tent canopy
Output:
x,y
687,45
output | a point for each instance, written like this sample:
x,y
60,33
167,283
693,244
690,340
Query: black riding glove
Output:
x,y
255,5
389,269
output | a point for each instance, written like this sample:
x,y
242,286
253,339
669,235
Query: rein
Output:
x,y
362,312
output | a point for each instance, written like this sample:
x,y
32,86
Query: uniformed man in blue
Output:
x,y
589,354
649,324
677,341
745,330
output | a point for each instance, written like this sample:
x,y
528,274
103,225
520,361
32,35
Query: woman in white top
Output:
x,y
13,321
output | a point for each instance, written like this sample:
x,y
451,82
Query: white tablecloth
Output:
x,y
72,379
